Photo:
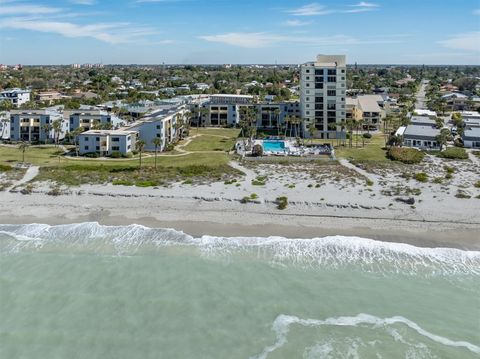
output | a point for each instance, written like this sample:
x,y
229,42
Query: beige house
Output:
x,y
366,108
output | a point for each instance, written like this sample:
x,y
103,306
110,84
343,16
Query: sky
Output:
x,y
46,32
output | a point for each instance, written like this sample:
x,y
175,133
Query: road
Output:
x,y
420,96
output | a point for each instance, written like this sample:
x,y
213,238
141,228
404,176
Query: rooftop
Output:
x,y
424,131
108,132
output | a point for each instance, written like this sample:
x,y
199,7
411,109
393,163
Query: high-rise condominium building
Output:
x,y
322,95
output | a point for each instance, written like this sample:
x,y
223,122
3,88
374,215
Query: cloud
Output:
x,y
255,40
27,9
113,33
83,2
365,4
312,9
465,41
362,7
295,23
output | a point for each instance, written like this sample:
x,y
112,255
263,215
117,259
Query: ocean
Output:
x,y
91,291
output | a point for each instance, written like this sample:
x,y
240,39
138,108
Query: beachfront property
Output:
x,y
322,94
471,137
366,108
470,118
17,97
87,119
224,109
107,142
457,101
423,137
162,123
32,125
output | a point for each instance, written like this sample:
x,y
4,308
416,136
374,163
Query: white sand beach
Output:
x,y
322,200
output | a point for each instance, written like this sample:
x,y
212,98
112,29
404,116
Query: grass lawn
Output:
x,y
226,132
372,152
37,155
210,143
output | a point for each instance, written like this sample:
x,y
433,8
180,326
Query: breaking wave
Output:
x,y
283,323
331,251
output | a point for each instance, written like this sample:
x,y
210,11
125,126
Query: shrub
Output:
x,y
56,191
282,202
116,155
405,155
367,135
259,181
448,176
477,184
437,180
462,194
369,182
5,168
449,169
254,196
92,155
456,153
257,150
127,155
421,177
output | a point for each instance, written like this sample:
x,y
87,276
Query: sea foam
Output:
x,y
331,251
282,324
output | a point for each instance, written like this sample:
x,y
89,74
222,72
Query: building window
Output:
x,y
97,138
319,85
332,72
115,148
332,79
115,139
331,93
86,148
97,148
307,71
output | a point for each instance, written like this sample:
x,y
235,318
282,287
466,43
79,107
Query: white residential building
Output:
x,y
107,142
322,94
16,96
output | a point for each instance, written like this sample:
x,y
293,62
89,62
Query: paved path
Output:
x,y
31,173
473,158
351,166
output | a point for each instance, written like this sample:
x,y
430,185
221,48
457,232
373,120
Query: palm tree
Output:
x,y
5,121
157,142
277,117
57,129
23,147
46,129
312,131
75,134
287,123
140,145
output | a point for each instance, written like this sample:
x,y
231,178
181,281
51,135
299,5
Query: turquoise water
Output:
x,y
274,146
90,291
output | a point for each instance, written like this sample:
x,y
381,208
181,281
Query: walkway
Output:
x,y
473,158
351,166
31,173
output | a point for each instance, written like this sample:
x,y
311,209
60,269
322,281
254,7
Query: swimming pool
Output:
x,y
274,146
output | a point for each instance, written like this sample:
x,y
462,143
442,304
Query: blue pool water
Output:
x,y
274,146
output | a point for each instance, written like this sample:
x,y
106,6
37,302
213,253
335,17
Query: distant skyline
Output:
x,y
238,32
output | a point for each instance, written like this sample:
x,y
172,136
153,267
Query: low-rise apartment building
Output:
x,y
366,108
419,136
87,119
32,125
16,97
162,124
107,142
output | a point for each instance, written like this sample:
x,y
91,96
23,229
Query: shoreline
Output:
x,y
216,220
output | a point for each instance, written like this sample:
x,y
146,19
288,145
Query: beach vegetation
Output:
x,y
369,182
281,202
421,177
405,155
462,194
5,168
455,153
437,180
448,176
449,169
259,181
477,184
122,182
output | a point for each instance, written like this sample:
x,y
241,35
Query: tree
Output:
x,y
443,137
23,147
5,106
140,145
157,142
312,131
46,130
277,119
57,130
75,134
